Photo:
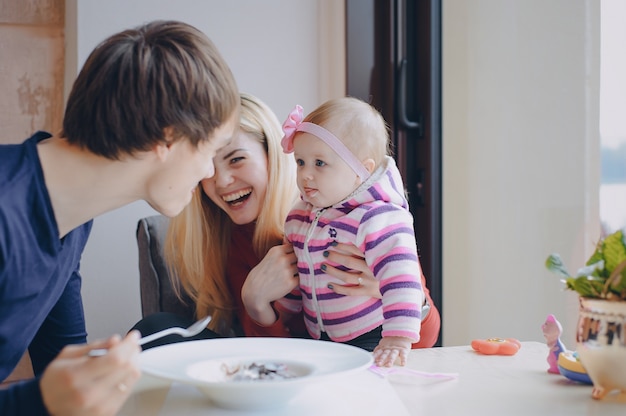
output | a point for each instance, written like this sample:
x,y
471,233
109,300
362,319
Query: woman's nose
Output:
x,y
222,178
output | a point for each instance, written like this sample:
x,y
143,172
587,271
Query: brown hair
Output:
x,y
357,124
198,238
164,74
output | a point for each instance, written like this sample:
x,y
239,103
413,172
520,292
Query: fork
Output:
x,y
192,330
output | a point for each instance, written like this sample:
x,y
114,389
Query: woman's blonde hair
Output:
x,y
357,124
198,238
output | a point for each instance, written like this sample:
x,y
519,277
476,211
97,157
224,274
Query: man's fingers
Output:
x,y
73,351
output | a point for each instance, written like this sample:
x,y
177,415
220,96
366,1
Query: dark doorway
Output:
x,y
394,63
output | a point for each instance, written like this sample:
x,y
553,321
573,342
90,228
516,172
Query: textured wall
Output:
x,y
31,67
31,78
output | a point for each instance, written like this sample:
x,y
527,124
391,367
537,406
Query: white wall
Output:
x,y
274,50
521,161
520,137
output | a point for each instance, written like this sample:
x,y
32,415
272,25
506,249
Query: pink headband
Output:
x,y
294,124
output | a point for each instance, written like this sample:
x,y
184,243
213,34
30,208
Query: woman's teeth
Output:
x,y
236,195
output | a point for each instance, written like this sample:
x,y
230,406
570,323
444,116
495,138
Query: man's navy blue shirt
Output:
x,y
40,302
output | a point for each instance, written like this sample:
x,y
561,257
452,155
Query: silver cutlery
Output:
x,y
192,330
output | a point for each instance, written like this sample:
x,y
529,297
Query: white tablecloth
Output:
x,y
486,385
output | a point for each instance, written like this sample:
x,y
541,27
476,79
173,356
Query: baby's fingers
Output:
x,y
385,357
403,356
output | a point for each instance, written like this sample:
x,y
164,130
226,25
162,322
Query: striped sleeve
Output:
x,y
387,238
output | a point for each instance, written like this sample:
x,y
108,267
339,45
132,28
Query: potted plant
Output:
x,y
601,329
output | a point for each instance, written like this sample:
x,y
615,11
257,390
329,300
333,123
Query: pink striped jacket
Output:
x,y
376,219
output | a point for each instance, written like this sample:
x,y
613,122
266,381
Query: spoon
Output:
x,y
192,330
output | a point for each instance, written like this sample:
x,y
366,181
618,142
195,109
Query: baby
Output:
x,y
352,192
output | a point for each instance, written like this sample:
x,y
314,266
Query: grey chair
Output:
x,y
157,293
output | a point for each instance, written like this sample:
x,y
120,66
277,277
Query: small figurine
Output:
x,y
571,367
552,331
496,346
560,360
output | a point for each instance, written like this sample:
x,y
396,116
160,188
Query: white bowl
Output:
x,y
214,381
199,363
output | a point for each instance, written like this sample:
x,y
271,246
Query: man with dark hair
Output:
x,y
145,116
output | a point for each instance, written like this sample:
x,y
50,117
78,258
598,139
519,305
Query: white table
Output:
x,y
486,385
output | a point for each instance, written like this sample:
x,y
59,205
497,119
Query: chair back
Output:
x,y
157,292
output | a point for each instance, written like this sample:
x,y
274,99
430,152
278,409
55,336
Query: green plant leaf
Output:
x,y
587,286
594,269
596,256
617,279
613,250
555,265
604,274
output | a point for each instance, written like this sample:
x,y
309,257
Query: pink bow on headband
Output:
x,y
290,127
294,124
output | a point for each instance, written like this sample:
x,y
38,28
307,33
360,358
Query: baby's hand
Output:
x,y
392,350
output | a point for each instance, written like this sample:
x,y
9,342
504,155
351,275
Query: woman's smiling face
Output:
x,y
241,176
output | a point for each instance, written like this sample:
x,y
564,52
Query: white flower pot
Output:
x,y
601,344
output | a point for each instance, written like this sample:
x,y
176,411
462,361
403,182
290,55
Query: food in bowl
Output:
x,y
257,371
249,369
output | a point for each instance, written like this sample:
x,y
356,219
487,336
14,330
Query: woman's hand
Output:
x,y
360,280
76,384
273,278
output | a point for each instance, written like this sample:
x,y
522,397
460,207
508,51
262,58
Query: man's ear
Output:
x,y
163,148
370,165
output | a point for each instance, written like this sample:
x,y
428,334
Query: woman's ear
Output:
x,y
370,165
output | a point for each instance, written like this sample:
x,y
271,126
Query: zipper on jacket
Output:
x,y
309,261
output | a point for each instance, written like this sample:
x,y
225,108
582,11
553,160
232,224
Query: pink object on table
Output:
x,y
496,346
552,330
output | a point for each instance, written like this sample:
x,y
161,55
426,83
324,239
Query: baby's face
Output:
x,y
323,177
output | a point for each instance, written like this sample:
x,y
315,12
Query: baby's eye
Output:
x,y
300,162
319,163
236,159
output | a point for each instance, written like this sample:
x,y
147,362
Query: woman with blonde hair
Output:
x,y
200,239
226,249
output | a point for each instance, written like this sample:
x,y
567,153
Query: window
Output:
x,y
612,116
